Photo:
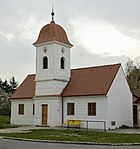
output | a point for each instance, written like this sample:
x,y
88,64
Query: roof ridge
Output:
x,y
96,66
31,74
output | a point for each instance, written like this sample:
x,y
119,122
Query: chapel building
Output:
x,y
57,93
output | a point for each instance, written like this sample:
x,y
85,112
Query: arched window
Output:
x,y
45,62
62,63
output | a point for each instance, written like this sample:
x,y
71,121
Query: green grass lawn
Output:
x,y
5,122
75,135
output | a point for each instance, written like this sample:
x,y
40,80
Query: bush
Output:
x,y
5,122
4,119
125,127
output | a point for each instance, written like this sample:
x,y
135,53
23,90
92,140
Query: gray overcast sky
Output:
x,y
102,32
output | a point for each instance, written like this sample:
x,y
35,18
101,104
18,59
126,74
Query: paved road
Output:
x,y
12,144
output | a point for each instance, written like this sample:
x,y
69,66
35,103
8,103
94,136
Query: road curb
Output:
x,y
72,142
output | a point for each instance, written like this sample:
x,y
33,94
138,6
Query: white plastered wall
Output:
x,y
54,79
54,111
81,110
120,102
28,117
50,87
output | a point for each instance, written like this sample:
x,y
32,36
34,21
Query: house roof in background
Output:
x,y
136,92
83,82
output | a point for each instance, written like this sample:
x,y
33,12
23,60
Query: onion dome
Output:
x,y
52,32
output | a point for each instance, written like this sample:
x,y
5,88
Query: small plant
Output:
x,y
5,122
125,127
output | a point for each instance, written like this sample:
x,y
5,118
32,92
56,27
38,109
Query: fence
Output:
x,y
87,124
69,122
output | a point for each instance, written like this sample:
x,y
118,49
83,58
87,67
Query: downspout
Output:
x,y
62,111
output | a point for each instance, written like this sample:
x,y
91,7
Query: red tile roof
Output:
x,y
51,32
91,81
26,90
83,82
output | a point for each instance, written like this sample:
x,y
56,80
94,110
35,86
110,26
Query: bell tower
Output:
x,y
52,59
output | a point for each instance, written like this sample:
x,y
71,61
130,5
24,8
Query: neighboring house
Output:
x,y
138,108
57,93
136,111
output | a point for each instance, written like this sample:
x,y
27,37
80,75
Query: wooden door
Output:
x,y
44,114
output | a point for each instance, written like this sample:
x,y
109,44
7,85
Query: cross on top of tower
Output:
x,y
52,14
